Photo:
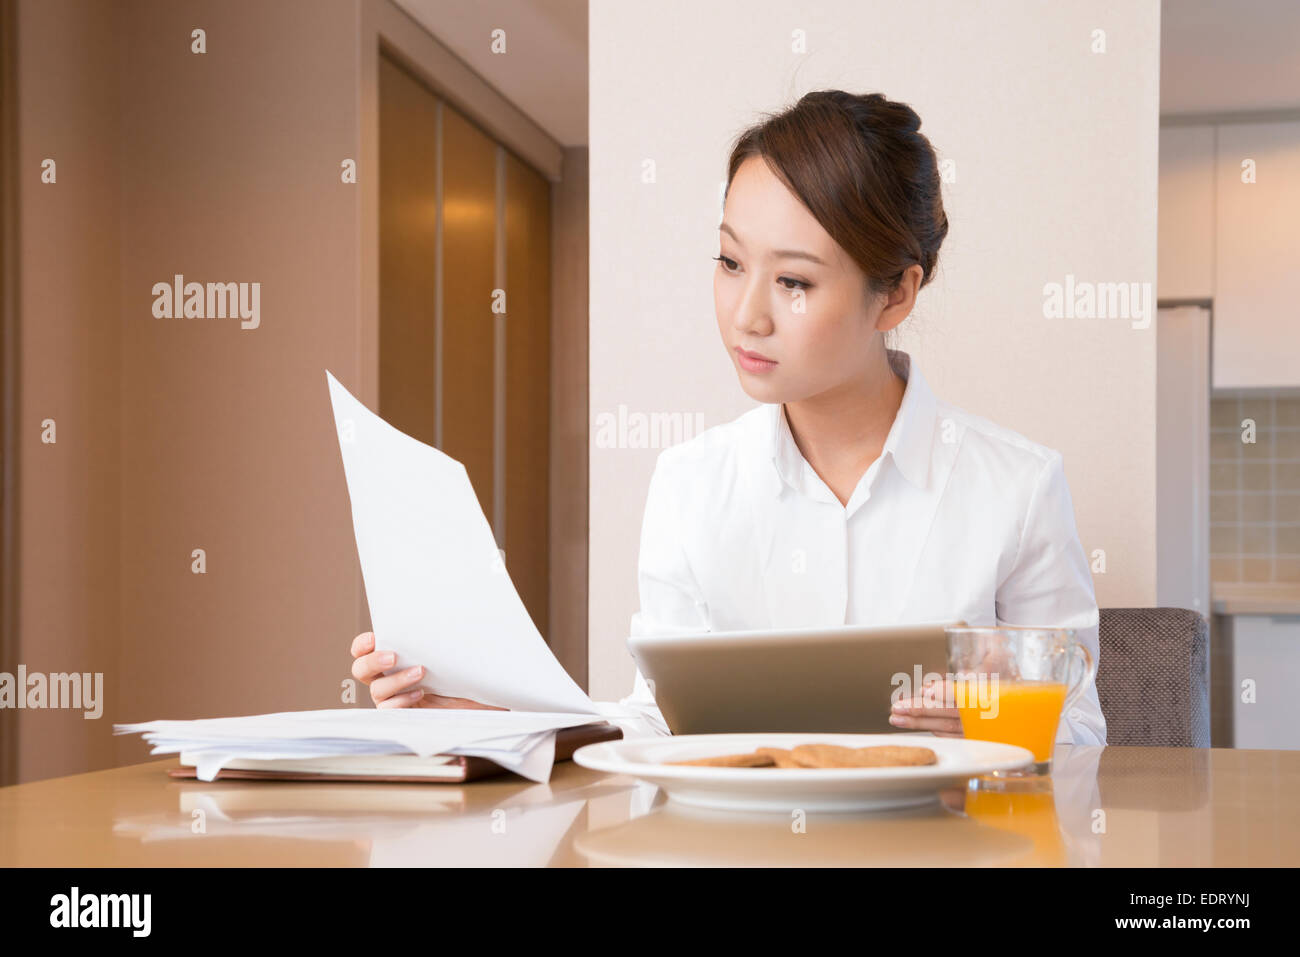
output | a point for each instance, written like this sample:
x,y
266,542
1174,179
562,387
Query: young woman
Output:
x,y
851,495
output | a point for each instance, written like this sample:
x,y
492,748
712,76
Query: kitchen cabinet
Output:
x,y
1258,656
1256,244
1230,232
1185,258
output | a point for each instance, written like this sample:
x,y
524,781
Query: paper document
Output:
x,y
439,597
520,742
439,592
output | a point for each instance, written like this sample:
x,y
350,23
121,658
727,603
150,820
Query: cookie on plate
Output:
x,y
781,757
751,760
882,756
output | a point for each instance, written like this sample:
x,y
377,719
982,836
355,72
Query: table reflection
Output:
x,y
584,818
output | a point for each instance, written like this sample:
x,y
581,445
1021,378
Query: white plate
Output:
x,y
811,789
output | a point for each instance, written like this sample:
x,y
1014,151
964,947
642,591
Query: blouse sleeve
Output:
x,y
671,599
1050,583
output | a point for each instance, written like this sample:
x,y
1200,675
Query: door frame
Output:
x,y
1184,367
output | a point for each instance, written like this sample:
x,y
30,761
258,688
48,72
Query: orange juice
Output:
x,y
1031,814
1027,713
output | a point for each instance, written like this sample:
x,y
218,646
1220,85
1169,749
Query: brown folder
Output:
x,y
567,740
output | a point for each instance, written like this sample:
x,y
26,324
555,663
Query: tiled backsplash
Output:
x,y
1255,490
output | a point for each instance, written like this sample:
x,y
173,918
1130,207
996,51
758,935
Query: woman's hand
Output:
x,y
395,691
928,711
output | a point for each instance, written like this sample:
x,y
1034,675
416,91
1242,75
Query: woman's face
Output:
x,y
785,292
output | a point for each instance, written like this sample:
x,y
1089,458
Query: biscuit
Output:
x,y
781,757
751,760
895,755
837,756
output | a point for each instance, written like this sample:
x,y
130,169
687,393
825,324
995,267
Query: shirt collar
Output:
x,y
908,444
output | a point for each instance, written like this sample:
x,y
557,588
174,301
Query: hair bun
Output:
x,y
861,166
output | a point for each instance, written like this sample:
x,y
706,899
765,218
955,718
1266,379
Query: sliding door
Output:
x,y
464,322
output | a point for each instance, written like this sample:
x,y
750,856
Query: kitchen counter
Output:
x,y
1239,598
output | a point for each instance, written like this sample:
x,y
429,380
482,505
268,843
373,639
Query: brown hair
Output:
x,y
865,172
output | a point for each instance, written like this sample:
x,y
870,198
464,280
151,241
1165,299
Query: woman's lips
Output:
x,y
753,362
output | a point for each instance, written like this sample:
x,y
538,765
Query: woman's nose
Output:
x,y
752,314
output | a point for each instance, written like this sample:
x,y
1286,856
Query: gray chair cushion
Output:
x,y
1153,679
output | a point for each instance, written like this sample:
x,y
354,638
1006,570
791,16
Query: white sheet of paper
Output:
x,y
533,761
422,731
439,593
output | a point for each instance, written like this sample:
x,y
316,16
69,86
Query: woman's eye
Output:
x,y
787,282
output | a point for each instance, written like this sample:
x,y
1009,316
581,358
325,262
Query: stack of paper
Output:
x,y
523,742
439,596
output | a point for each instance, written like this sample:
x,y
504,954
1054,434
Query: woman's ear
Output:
x,y
899,302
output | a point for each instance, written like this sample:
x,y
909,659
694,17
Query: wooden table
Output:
x,y
1103,807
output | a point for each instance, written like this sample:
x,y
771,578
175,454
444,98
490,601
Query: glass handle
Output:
x,y
1089,671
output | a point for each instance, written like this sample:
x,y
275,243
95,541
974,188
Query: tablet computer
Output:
x,y
836,679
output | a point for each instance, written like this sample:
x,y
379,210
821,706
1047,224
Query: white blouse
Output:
x,y
958,519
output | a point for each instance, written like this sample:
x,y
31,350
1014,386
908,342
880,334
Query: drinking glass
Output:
x,y
1012,684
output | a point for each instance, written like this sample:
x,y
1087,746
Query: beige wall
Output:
x,y
184,434
178,434
231,173
67,569
1055,151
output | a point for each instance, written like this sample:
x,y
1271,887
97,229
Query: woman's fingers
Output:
x,y
395,691
924,712
387,691
363,643
407,699
915,706
370,666
917,722
383,688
